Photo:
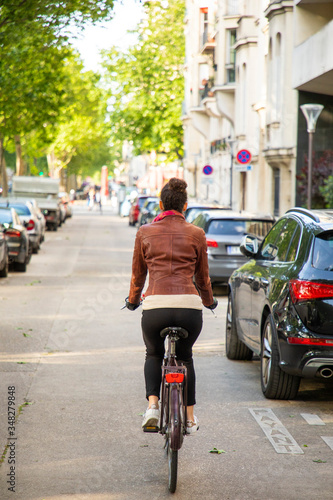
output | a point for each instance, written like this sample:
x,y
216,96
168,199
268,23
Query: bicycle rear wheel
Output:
x,y
174,439
173,469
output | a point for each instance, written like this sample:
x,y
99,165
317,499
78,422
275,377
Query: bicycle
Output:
x,y
172,423
173,412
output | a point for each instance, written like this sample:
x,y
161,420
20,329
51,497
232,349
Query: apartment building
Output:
x,y
249,66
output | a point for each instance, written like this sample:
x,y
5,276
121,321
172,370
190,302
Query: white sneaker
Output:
x,y
151,417
192,426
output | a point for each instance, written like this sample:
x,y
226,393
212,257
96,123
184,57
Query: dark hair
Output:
x,y
174,195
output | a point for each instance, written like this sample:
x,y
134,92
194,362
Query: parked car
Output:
x,y
280,302
135,209
28,217
194,209
39,215
17,238
145,212
65,202
3,253
224,231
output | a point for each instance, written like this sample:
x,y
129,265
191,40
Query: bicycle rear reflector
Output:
x,y
174,377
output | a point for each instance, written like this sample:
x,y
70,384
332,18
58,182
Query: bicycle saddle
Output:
x,y
177,331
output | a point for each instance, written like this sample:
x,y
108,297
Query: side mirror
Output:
x,y
249,246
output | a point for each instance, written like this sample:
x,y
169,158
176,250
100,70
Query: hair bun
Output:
x,y
178,185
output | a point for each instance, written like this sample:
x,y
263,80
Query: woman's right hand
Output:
x,y
213,305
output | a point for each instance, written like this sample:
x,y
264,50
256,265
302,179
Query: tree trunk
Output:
x,y
20,170
3,171
51,163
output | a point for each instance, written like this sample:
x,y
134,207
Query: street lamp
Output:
x,y
311,113
231,143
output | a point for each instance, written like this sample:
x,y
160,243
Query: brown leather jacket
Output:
x,y
173,251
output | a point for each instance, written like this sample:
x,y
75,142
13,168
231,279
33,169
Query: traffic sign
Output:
x,y
207,170
242,167
244,156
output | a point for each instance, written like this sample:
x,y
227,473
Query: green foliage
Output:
x,y
52,14
147,85
322,169
81,137
327,191
35,79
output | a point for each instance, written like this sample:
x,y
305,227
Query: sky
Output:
x,y
104,35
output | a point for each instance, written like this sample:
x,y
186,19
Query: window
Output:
x,y
204,24
323,252
293,248
238,227
21,209
200,221
268,248
281,243
230,56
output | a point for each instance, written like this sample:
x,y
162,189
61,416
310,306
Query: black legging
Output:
x,y
153,321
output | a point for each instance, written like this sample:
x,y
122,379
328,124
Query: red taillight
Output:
x,y
212,243
309,341
13,233
30,225
308,290
174,377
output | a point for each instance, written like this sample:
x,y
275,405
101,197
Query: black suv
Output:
x,y
280,303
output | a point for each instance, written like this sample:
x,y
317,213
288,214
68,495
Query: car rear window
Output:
x,y
322,257
141,201
5,216
20,209
238,227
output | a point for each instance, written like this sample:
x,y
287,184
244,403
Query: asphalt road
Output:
x,y
74,363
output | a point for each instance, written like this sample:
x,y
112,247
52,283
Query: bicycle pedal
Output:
x,y
151,428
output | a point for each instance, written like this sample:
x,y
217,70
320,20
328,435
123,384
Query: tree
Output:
x,y
81,136
321,171
33,50
53,14
146,82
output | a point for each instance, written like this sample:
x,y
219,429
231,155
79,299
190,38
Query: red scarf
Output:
x,y
165,214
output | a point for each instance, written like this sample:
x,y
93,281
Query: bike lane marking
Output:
x,y
328,440
280,438
312,419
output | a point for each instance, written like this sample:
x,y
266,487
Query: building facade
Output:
x,y
249,65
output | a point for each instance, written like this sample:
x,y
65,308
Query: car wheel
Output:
x,y
275,383
4,270
235,348
21,267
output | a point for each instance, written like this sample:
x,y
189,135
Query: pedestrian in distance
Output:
x,y
173,252
91,198
98,199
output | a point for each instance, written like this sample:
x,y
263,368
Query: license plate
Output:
x,y
234,250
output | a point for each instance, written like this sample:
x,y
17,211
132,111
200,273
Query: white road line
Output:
x,y
312,419
328,440
280,438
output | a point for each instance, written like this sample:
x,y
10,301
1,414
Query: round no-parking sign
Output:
x,y
207,170
244,156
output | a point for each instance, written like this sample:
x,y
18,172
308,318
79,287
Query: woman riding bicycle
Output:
x,y
173,252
